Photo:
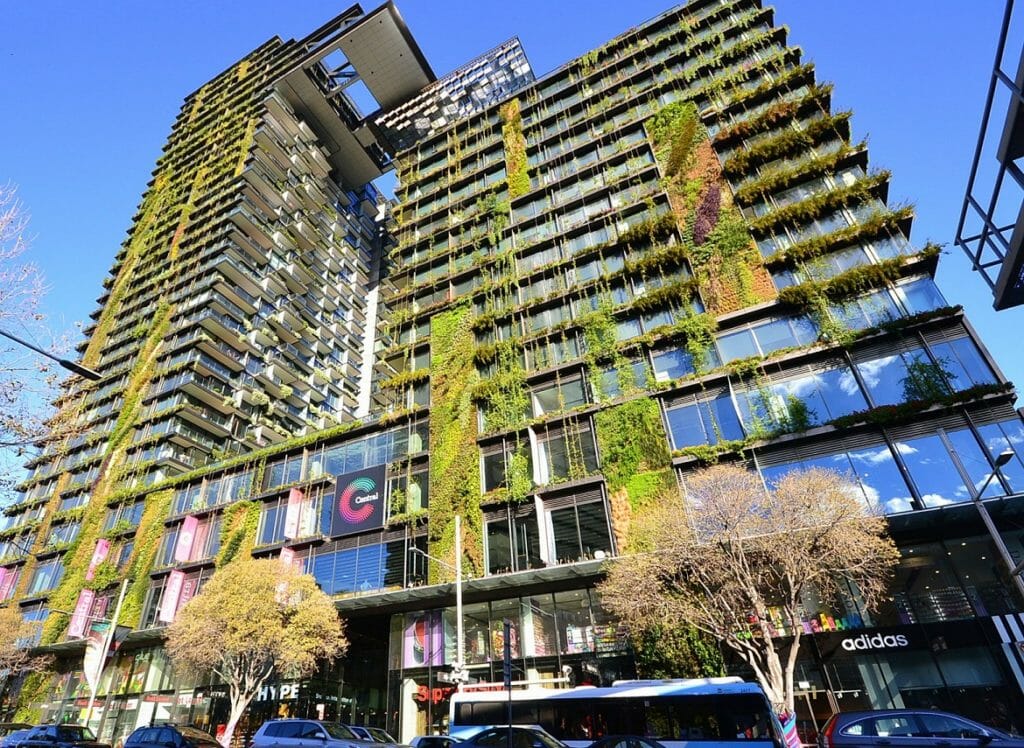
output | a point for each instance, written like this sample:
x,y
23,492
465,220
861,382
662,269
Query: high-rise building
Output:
x,y
666,252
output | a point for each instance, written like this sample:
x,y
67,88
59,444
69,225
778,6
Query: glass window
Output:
x,y
962,363
930,465
921,295
881,480
903,377
737,345
705,422
997,438
943,726
672,364
46,576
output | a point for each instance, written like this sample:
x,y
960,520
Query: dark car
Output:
x,y
170,736
625,741
61,736
307,733
906,728
433,741
12,733
522,737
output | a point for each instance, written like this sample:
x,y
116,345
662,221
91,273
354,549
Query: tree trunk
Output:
x,y
238,705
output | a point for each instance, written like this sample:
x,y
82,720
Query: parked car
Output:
x,y
625,741
170,736
433,741
522,737
10,732
376,735
307,733
60,736
905,728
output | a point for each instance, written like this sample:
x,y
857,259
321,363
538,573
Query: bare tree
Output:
x,y
253,619
734,561
28,382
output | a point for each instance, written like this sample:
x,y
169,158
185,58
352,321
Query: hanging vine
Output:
x,y
454,455
726,264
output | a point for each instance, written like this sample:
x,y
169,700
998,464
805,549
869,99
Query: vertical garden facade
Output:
x,y
669,252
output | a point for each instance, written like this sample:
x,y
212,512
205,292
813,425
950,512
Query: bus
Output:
x,y
702,712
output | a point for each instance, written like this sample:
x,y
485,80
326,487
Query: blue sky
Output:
x,y
90,91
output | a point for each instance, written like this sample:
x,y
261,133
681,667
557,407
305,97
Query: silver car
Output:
x,y
307,733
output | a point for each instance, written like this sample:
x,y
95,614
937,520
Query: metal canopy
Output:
x,y
385,56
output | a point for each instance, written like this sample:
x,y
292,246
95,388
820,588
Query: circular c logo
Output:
x,y
351,514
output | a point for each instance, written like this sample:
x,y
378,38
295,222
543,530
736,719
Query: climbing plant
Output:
x,y
454,455
725,262
515,149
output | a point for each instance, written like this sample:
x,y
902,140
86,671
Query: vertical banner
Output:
x,y
80,617
424,639
99,555
172,594
92,665
7,577
293,513
358,501
187,534
188,591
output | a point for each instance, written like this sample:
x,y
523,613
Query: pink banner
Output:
x,y
290,558
188,591
7,577
293,513
99,555
172,594
81,615
187,534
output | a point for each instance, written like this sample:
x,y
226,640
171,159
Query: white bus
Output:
x,y
702,713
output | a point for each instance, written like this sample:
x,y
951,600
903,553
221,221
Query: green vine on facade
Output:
x,y
454,454
516,165
238,531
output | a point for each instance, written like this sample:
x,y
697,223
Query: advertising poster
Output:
x,y
424,639
358,501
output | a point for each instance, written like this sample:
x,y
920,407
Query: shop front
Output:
x,y
951,665
557,639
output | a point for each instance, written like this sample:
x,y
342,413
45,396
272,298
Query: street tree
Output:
x,y
736,562
28,382
254,619
17,636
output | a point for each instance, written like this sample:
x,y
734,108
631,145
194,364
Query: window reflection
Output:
x,y
937,478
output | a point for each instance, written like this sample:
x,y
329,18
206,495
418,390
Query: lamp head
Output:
x,y
1004,457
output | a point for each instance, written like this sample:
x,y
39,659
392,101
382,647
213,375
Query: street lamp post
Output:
x,y
459,668
1015,569
72,366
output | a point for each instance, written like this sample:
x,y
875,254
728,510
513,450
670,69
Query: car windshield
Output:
x,y
379,735
74,733
338,731
547,740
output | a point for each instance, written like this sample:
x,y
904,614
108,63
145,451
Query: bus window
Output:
x,y
659,720
624,716
489,713
547,717
523,712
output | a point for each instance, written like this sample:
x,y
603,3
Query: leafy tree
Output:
x,y
733,561
255,618
926,380
16,637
